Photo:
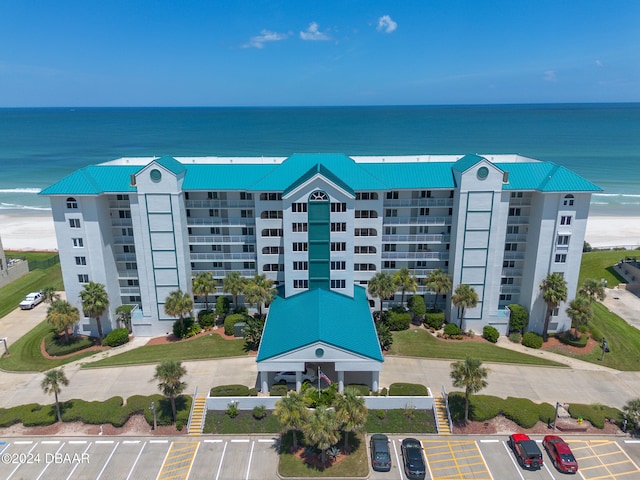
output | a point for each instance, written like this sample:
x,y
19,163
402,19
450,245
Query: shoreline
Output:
x,y
20,232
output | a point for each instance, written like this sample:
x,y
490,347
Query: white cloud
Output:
x,y
550,76
265,36
386,25
599,64
314,33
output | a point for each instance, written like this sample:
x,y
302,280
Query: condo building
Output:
x,y
144,227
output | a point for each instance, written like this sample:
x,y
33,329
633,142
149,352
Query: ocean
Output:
x,y
601,142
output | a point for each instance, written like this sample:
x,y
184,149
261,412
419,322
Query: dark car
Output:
x,y
412,456
526,451
560,454
380,457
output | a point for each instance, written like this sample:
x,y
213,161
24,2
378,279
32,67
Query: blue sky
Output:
x,y
299,52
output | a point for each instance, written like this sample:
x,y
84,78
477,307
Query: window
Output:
x,y
565,220
338,246
81,260
424,212
365,232
366,214
425,194
301,265
338,207
508,264
561,258
214,248
300,246
511,247
506,281
338,283
271,214
318,196
77,242
271,267
212,195
272,250
389,264
133,283
389,247
124,213
270,196
248,265
128,232
247,230
122,197
555,312
72,203
512,229
391,212
272,232
246,196
131,265
248,248
516,194
563,240
301,284
392,195
338,265
214,212
568,200
363,267
338,226
514,212
83,278
390,230
74,222
299,227
299,207
246,213
506,298
134,298
129,249
367,249
366,196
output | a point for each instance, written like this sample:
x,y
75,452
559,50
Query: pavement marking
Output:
x,y
18,465
49,463
221,460
632,441
158,441
217,440
131,441
240,440
398,460
250,457
484,460
78,442
602,464
104,442
179,459
489,441
546,467
23,442
193,459
266,440
133,467
108,460
510,453
77,463
455,459
50,442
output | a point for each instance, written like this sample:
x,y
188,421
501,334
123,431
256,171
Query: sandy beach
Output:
x,y
36,232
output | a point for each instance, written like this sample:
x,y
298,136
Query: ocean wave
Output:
x,y
20,190
623,195
13,206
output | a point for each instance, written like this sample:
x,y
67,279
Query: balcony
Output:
x,y
218,204
119,204
121,222
214,256
129,290
228,239
415,255
227,222
511,272
510,289
419,202
517,220
516,237
425,220
417,238
514,255
219,273
125,257
127,274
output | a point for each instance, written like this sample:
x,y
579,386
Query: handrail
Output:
x,y
446,406
193,405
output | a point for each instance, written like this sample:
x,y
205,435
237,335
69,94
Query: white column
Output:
x,y
298,382
264,380
340,381
375,378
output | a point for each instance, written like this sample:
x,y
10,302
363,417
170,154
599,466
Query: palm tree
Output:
x,y
632,412
49,295
321,430
351,411
382,286
554,291
94,302
204,284
53,382
178,304
259,290
593,289
62,315
439,282
406,281
465,297
124,315
292,414
469,373
169,376
234,283
579,312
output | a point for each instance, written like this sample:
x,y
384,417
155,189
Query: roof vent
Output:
x,y
132,181
505,177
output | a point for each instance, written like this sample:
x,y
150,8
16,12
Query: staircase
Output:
x,y
198,413
442,418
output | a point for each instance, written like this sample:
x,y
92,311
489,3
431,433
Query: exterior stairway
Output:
x,y
441,415
197,416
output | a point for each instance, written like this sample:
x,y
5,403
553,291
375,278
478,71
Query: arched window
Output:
x,y
72,203
318,196
568,200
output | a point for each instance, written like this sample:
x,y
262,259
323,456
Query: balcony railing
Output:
x,y
218,204
517,220
129,290
415,255
516,237
509,288
210,239
125,257
417,238
514,255
419,202
121,222
227,222
424,220
119,204
223,256
219,273
125,274
511,272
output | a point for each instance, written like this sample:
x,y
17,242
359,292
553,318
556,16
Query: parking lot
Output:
x,y
242,458
490,458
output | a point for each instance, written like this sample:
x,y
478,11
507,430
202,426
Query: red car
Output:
x,y
560,454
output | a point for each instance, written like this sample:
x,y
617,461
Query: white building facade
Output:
x,y
144,227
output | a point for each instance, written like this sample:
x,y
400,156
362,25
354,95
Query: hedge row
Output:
x,y
596,414
56,346
116,337
97,413
407,389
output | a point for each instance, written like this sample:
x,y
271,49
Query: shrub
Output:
x,y
56,346
362,390
116,337
188,326
279,391
384,336
231,320
179,425
568,339
596,414
532,340
229,391
223,304
397,321
384,392
253,333
232,410
515,337
452,330
407,389
519,318
253,392
434,319
526,413
381,414
206,319
416,306
259,412
490,333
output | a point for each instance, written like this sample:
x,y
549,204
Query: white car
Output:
x,y
290,377
31,300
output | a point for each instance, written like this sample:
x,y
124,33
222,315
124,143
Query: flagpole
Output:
x,y
318,382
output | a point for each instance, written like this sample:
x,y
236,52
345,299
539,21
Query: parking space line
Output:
x,y
546,467
250,457
77,442
398,461
193,458
48,463
50,442
158,441
449,456
266,440
484,460
221,460
18,465
239,440
108,460
133,467
78,464
217,440
23,442
515,464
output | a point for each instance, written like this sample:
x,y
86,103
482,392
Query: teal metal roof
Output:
x,y
224,177
320,315
545,177
94,180
318,168
465,163
170,164
412,175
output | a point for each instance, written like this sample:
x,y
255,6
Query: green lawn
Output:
x,y
623,340
421,343
26,356
204,347
599,264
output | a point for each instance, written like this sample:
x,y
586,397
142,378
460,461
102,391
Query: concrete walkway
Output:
x,y
580,382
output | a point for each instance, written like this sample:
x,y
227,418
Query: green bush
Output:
x,y
384,392
179,425
385,338
206,319
515,337
490,333
434,319
361,390
532,340
417,307
188,328
397,321
259,412
452,330
56,346
116,337
527,413
279,390
519,318
485,407
596,414
229,391
568,339
407,389
231,320
232,410
253,392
